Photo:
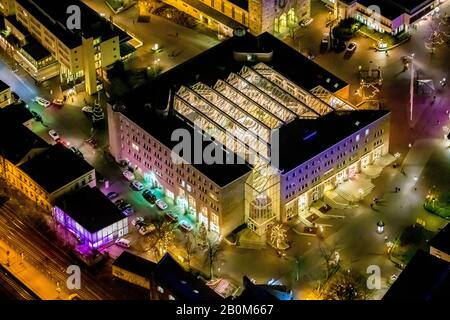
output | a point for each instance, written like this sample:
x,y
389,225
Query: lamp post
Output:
x,y
411,92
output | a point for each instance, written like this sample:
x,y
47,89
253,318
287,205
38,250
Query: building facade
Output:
x,y
390,16
77,56
5,95
259,16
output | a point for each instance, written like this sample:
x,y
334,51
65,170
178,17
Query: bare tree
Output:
x,y
332,263
189,249
214,252
161,238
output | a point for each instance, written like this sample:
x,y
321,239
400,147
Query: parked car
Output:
x,y
43,102
124,243
92,142
171,216
128,211
119,202
161,204
306,22
124,205
185,226
54,135
146,229
77,152
325,38
87,109
58,102
128,175
36,116
149,196
112,195
351,47
140,224
137,220
136,185
64,142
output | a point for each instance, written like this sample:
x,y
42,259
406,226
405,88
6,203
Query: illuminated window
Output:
x,y
357,138
189,189
367,132
135,146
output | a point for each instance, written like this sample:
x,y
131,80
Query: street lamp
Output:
x,y
411,91
380,226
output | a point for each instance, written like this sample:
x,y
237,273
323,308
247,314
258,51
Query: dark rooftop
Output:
x,y
303,139
255,292
441,241
12,118
182,284
412,6
135,264
388,9
162,128
90,208
52,14
422,280
37,51
55,168
3,86
17,25
240,3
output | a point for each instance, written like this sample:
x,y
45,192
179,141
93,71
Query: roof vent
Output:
x,y
357,123
336,85
328,80
195,291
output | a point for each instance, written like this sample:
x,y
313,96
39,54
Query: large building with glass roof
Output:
x,y
280,123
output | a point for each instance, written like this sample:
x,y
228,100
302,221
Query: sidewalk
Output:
x,y
30,276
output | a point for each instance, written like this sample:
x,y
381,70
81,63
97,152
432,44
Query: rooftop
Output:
x,y
55,168
3,86
303,139
15,114
36,51
388,8
53,15
182,284
90,208
243,4
441,241
135,264
423,279
17,25
161,128
256,292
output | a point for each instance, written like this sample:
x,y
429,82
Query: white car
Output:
x,y
351,47
43,102
136,185
137,220
128,175
306,22
58,102
87,109
185,226
161,204
54,135
123,243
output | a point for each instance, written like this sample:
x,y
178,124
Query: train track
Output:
x,y
13,287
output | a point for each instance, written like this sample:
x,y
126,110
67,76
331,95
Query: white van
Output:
x,y
123,243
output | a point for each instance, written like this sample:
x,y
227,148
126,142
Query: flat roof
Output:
x,y
441,241
182,284
303,139
243,4
161,128
421,280
17,25
55,167
388,9
3,86
24,141
135,264
53,15
90,208
412,5
255,292
37,51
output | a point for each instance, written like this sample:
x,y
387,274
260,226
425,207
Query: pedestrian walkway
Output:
x,y
37,282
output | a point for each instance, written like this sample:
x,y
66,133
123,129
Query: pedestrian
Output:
x,y
398,189
176,34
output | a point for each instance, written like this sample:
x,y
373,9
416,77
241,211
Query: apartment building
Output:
x,y
260,101
78,56
390,16
5,95
259,16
